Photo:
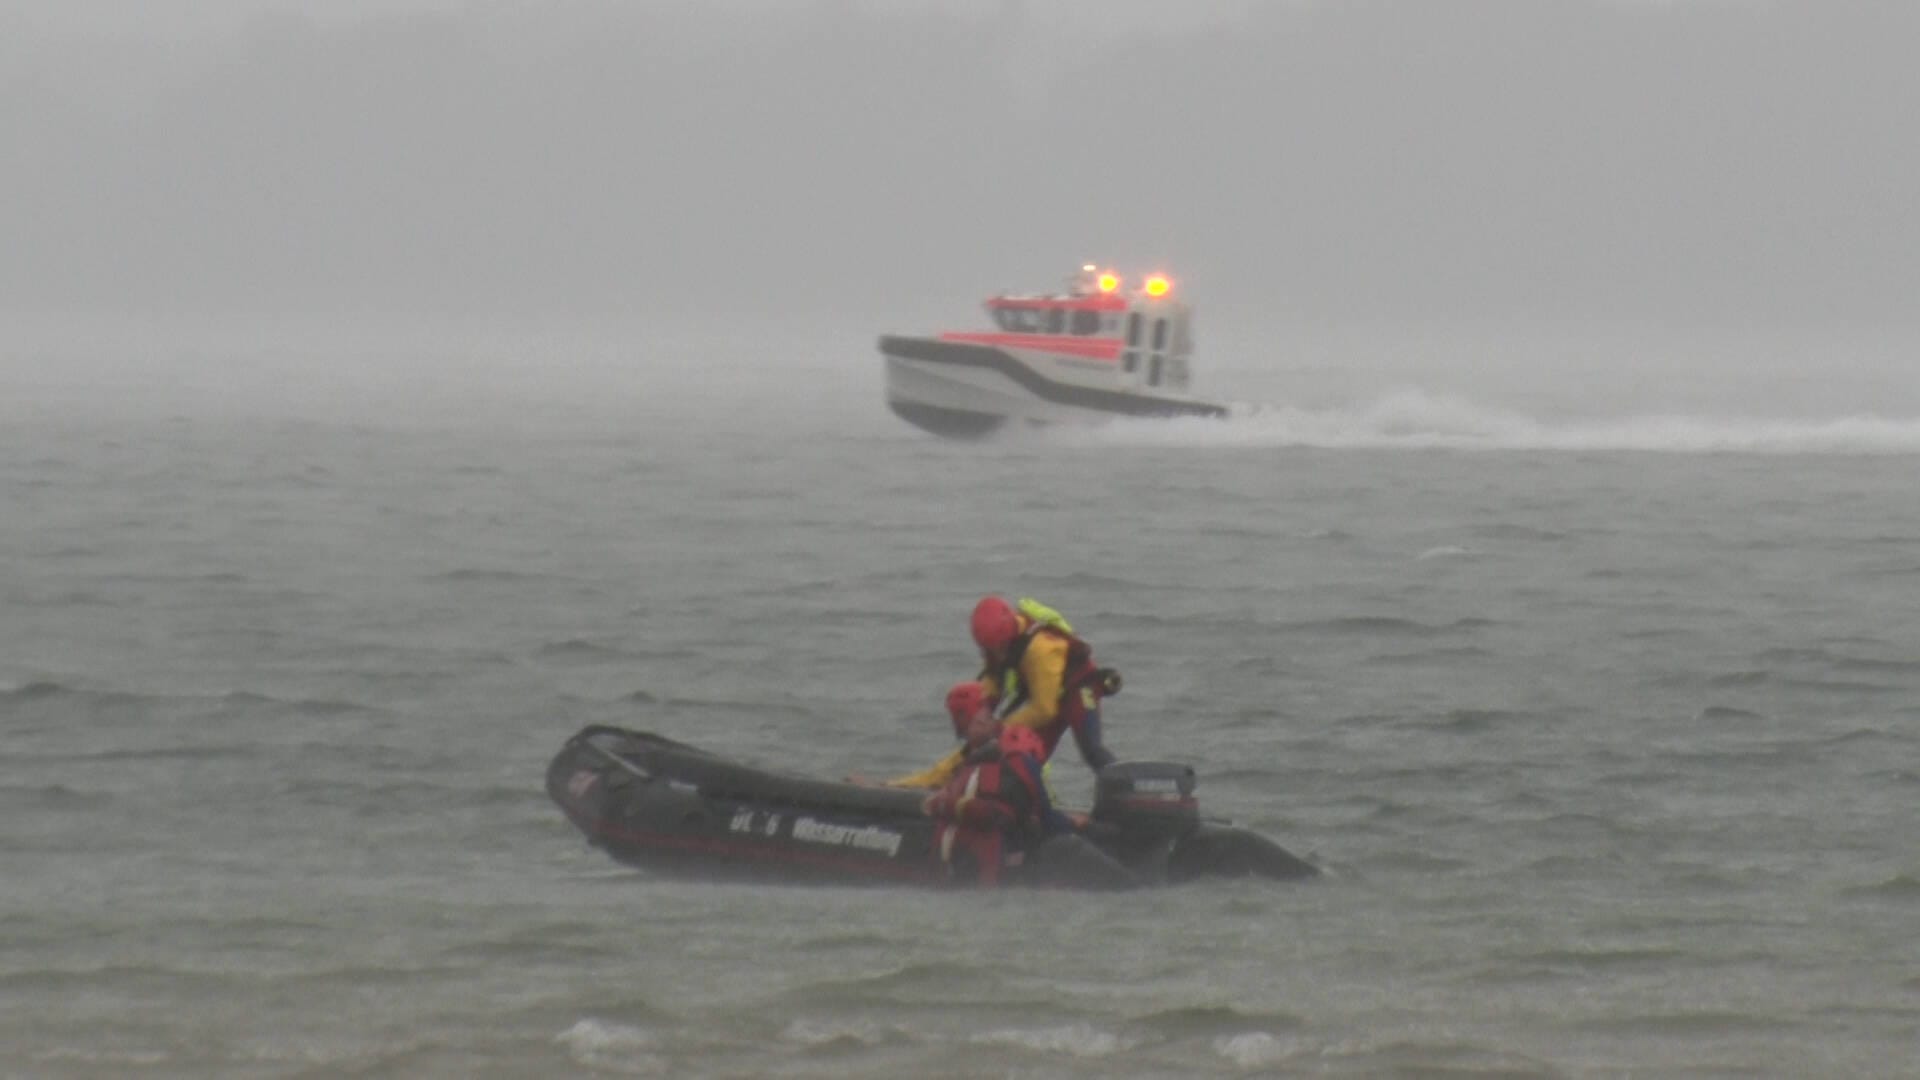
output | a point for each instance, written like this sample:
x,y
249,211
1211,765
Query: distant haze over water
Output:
x,y
1684,163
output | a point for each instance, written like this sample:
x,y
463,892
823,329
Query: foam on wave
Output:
x,y
1419,420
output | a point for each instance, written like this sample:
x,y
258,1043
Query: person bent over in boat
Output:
x,y
994,808
1042,677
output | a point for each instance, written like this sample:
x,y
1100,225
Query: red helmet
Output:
x,y
964,702
994,624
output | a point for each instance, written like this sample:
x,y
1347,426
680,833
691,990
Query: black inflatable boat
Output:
x,y
655,803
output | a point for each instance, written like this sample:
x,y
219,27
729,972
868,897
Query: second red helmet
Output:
x,y
964,702
994,624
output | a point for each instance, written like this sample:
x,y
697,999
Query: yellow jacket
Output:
x,y
1043,670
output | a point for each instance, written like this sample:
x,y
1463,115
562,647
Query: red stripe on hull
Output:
x,y
1107,349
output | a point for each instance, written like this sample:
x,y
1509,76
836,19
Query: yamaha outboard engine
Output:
x,y
1149,801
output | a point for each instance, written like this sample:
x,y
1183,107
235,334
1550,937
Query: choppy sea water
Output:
x,y
1607,728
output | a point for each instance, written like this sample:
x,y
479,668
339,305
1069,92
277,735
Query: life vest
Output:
x,y
1005,772
1038,612
1015,741
995,803
1042,619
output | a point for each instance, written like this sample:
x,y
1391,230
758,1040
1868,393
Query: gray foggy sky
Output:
x,y
1697,162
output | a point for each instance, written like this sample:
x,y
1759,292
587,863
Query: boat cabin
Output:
x,y
1146,330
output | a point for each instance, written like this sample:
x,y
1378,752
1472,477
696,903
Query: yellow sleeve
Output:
x,y
935,776
1043,668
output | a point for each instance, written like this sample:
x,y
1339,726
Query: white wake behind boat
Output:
x,y
1090,354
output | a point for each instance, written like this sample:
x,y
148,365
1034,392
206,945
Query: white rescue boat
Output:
x,y
1090,354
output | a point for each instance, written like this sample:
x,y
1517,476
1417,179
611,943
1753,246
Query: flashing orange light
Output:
x,y
1157,286
1109,282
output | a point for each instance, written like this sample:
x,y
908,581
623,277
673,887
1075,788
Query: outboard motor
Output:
x,y
1147,800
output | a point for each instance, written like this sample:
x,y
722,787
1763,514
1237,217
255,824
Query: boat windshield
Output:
x,y
1047,320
